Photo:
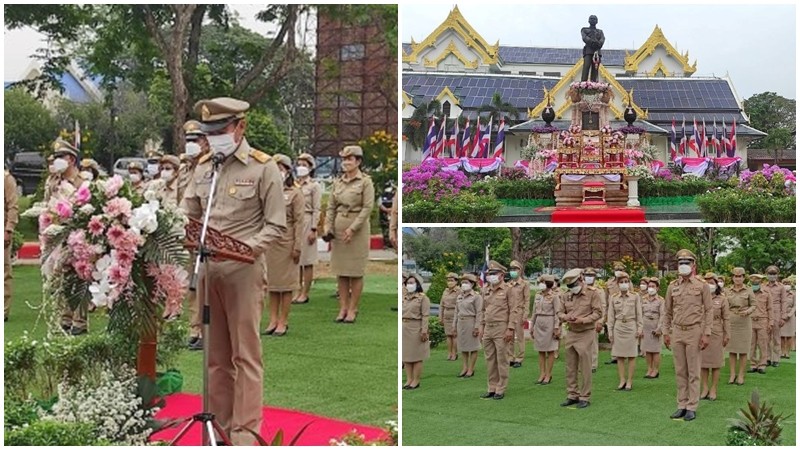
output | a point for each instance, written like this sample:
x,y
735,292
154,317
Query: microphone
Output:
x,y
218,158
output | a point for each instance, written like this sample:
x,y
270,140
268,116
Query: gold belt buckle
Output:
x,y
624,320
684,327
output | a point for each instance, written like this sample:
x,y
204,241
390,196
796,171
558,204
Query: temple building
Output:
x,y
458,67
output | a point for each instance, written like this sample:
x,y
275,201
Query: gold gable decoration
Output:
x,y
447,93
451,49
655,40
659,66
407,100
489,54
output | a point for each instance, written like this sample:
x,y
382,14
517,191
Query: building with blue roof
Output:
x,y
76,86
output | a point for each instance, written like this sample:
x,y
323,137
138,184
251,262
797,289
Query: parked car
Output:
x,y
121,165
28,169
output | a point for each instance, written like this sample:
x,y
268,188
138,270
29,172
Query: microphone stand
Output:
x,y
207,419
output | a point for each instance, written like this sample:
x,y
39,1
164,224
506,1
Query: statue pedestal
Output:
x,y
633,191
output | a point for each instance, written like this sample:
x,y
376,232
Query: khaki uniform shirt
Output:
x,y
10,206
779,304
721,321
248,204
354,196
763,306
167,193
312,194
469,304
417,306
295,219
625,308
393,218
585,306
448,301
184,177
653,308
524,296
688,302
53,184
603,305
741,302
501,305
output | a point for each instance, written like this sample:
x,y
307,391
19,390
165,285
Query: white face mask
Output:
x,y
575,289
152,169
721,284
624,287
167,175
222,143
302,171
192,149
284,175
712,287
589,280
684,269
466,287
642,287
60,165
542,286
135,178
651,291
411,287
493,279
88,176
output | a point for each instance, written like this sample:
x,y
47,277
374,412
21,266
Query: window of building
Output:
x,y
446,108
352,52
552,74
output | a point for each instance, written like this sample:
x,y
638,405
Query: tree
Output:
x,y
755,248
264,135
428,247
705,243
474,240
528,243
776,116
28,125
498,108
416,128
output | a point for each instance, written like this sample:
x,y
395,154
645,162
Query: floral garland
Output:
x,y
590,87
630,129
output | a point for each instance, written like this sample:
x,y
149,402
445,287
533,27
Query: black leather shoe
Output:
x,y
461,375
470,375
192,340
583,404
66,327
498,396
570,402
690,415
198,345
411,388
78,331
775,364
753,370
659,373
517,365
511,364
488,395
613,361
769,362
762,370
594,370
406,387
678,414
268,332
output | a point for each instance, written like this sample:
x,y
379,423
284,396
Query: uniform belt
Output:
x,y
545,315
624,320
347,212
465,317
651,317
759,318
492,324
449,307
686,327
411,320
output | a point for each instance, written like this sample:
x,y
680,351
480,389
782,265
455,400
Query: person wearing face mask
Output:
x,y
580,309
516,349
416,347
788,328
762,320
447,311
779,313
65,172
653,314
312,196
713,355
741,304
136,175
153,169
589,277
466,321
347,220
11,214
545,327
501,313
688,317
625,327
249,206
90,170
612,288
284,257
166,186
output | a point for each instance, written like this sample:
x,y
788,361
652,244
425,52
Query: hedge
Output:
x,y
737,206
465,207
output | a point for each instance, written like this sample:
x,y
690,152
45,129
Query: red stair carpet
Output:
x,y
597,215
320,432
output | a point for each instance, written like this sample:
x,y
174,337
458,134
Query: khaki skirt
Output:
x,y
349,260
624,339
788,329
414,350
309,255
713,355
465,340
282,272
448,314
741,334
650,343
543,340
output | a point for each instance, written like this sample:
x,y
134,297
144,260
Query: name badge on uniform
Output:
x,y
244,183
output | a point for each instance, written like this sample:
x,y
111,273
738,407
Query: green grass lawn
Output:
x,y
447,410
347,372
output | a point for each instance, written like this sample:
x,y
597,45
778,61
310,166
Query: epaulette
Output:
x,y
259,156
592,288
204,159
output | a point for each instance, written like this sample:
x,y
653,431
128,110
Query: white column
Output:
x,y
633,191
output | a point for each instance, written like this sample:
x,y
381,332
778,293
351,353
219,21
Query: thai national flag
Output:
x,y
501,134
694,139
485,137
476,145
440,142
464,151
430,140
682,147
715,144
673,137
732,149
452,142
703,140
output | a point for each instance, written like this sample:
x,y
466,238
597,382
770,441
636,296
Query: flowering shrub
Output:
x,y
746,206
774,179
664,174
464,207
430,181
640,171
356,438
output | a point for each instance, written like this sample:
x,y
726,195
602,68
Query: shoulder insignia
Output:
x,y
205,158
259,156
591,288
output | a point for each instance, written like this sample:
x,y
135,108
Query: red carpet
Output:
x,y
320,432
598,215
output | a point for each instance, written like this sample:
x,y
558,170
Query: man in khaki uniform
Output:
x,y
780,306
612,288
687,330
516,349
589,277
65,165
763,321
500,314
248,206
581,308
11,211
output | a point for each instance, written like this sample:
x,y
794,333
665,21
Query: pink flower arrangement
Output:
x,y
568,141
575,129
606,129
44,221
83,195
96,226
118,207
113,185
170,284
64,209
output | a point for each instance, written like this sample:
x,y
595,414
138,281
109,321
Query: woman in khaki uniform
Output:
x,y
545,326
284,255
741,304
788,328
136,175
416,348
347,224
466,322
312,194
653,314
447,311
712,357
625,328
